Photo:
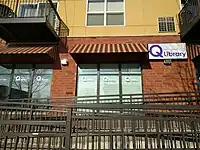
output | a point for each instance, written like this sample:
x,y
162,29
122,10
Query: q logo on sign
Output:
x,y
18,78
156,51
84,79
105,79
38,78
127,79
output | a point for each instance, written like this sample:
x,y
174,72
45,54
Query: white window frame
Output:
x,y
105,12
166,25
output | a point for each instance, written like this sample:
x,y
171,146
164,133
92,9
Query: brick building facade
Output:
x,y
109,53
157,77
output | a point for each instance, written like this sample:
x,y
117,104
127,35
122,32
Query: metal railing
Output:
x,y
188,14
66,125
172,98
34,9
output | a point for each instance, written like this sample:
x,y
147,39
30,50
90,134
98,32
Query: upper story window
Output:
x,y
38,10
35,9
166,24
105,12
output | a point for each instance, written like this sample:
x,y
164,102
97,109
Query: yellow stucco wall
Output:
x,y
141,18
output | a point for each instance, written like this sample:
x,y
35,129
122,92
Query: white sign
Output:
x,y
167,51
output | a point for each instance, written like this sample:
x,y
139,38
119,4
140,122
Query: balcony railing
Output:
x,y
32,11
189,15
62,124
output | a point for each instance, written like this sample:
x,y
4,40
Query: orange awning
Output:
x,y
109,48
29,50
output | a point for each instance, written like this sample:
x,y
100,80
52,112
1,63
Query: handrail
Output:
x,y
188,14
106,106
197,93
117,126
14,9
174,99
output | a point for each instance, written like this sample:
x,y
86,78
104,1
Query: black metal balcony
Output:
x,y
165,121
30,21
189,20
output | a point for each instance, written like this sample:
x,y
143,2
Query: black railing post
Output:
x,y
30,84
29,127
110,131
68,129
10,83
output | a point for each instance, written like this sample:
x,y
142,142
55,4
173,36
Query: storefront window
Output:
x,y
109,82
131,83
131,79
21,83
25,81
41,83
109,85
5,76
87,82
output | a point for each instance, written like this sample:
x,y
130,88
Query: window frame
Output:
x,y
105,12
166,24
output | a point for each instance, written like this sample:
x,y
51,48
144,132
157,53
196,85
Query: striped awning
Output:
x,y
193,50
109,48
29,50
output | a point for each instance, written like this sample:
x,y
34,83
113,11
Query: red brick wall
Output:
x,y
177,77
157,77
64,77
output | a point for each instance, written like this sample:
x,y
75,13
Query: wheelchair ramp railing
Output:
x,y
47,125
